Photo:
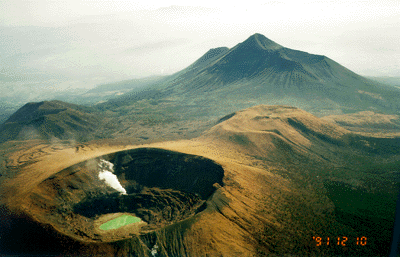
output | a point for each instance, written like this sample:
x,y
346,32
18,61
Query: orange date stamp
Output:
x,y
340,241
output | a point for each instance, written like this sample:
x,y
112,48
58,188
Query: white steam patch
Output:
x,y
106,174
154,250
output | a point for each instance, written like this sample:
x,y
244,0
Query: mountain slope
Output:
x,y
48,119
278,176
256,71
298,131
260,71
259,57
154,92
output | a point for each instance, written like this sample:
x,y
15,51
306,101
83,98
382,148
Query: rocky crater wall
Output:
x,y
165,169
162,188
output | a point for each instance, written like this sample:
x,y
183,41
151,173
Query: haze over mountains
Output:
x,y
260,71
394,81
222,81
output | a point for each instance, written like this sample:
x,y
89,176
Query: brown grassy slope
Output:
x,y
272,201
23,186
268,131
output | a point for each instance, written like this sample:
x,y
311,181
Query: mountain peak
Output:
x,y
262,42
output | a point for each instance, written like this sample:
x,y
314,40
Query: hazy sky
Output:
x,y
111,40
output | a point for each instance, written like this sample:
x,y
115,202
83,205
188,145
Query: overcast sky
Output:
x,y
111,40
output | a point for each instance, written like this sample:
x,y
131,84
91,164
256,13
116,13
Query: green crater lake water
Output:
x,y
119,222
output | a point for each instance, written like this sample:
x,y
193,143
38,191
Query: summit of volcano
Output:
x,y
260,71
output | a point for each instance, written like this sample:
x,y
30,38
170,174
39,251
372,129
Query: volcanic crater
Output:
x,y
162,188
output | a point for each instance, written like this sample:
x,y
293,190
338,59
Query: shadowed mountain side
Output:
x,y
260,71
51,119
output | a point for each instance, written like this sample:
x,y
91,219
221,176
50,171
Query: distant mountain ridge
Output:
x,y
260,71
393,81
222,81
259,57
125,85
